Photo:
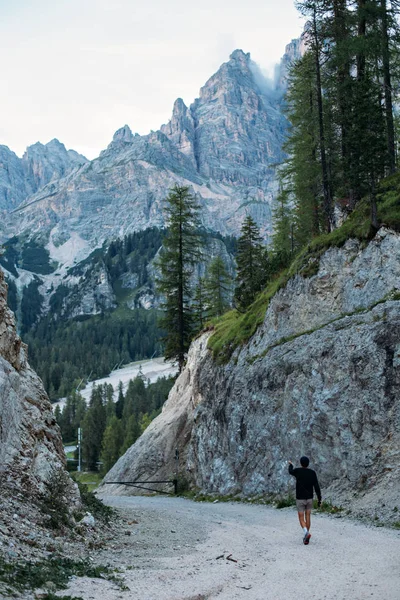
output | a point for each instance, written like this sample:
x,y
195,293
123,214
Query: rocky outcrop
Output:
x,y
30,440
293,51
320,377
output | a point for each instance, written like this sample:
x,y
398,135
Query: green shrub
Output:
x,y
327,507
54,502
286,501
93,505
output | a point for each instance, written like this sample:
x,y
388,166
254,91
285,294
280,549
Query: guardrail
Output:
x,y
173,482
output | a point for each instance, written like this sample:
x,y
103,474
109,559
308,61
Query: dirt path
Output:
x,y
172,554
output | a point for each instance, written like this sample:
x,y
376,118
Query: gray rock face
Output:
x,y
41,163
88,291
293,52
30,440
14,187
320,377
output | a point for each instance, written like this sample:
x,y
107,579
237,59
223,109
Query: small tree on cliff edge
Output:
x,y
181,251
251,264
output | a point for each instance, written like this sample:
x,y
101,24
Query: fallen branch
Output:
x,y
231,559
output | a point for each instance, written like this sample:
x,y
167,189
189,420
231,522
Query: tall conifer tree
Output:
x,y
181,251
251,264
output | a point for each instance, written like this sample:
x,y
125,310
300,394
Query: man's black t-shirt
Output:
x,y
306,482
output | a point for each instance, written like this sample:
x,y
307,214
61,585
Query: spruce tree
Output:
x,y
251,264
93,426
132,432
111,443
180,253
218,288
283,217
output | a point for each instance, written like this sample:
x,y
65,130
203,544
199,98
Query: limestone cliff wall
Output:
x,y
320,377
30,440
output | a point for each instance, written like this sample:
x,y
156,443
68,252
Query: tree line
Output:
x,y
65,352
109,426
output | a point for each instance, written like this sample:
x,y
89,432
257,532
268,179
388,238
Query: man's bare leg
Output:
x,y
302,520
308,519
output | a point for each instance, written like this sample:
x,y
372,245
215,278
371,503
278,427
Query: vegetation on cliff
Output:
x,y
235,329
341,149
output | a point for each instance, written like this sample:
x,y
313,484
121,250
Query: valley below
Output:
x,y
177,549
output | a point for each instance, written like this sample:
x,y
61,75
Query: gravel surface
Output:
x,y
176,549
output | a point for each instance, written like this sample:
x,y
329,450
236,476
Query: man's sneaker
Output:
x,y
306,539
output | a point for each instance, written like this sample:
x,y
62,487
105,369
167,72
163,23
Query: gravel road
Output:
x,y
178,550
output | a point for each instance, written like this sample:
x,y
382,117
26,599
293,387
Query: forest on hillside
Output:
x,y
112,421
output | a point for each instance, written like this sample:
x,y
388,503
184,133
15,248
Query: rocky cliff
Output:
x,y
30,440
320,377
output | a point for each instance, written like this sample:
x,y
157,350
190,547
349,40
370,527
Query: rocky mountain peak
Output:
x,y
240,56
223,86
181,130
124,134
293,51
43,163
225,146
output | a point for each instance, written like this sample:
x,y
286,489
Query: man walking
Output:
x,y
306,483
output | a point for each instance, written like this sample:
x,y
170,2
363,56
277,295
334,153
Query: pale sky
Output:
x,y
78,70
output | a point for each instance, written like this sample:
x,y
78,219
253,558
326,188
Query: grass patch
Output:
x,y
30,575
197,496
286,501
91,479
396,525
234,329
51,596
327,507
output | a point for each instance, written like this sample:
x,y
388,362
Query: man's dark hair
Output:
x,y
304,461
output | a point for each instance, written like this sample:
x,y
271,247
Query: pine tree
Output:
x,y
119,405
251,264
342,141
111,443
93,427
283,218
132,432
180,253
217,288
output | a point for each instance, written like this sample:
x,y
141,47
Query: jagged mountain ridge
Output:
x,y
225,146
